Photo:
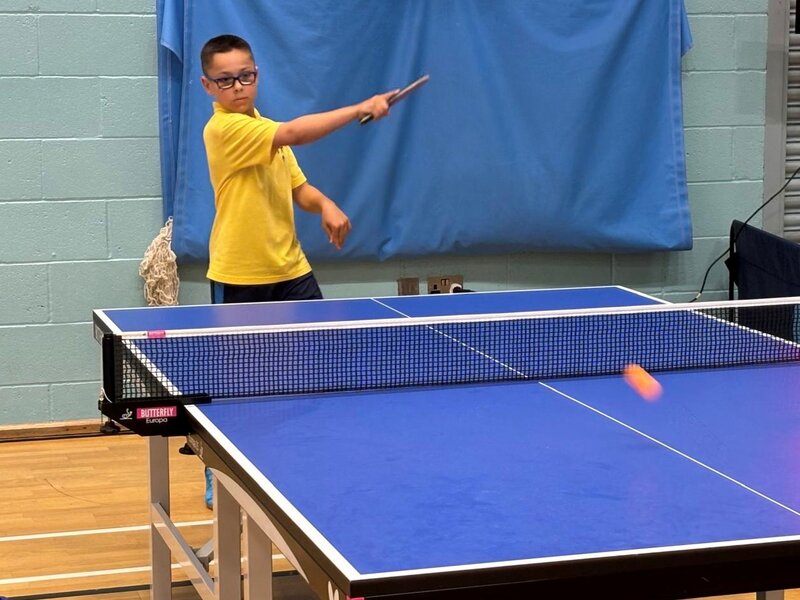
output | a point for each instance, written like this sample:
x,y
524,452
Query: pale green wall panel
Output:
x,y
132,225
748,152
129,107
70,401
36,354
74,287
43,231
709,154
194,287
725,98
751,42
20,169
642,271
24,294
48,6
44,113
717,50
97,45
685,270
340,280
100,168
126,6
18,45
481,272
567,270
24,404
716,205
726,6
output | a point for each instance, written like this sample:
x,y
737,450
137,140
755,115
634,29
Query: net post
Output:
x,y
736,227
112,370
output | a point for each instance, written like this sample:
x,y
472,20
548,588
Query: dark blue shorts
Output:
x,y
304,287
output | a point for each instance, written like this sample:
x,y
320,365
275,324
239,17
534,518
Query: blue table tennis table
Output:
x,y
509,489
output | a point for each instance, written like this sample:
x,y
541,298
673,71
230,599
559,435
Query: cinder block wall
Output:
x,y
80,194
79,191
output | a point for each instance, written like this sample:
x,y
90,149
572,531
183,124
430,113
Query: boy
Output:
x,y
253,249
254,254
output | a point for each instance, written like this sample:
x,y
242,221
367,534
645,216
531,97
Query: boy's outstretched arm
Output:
x,y
310,128
334,222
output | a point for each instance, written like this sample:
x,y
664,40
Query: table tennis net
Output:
x,y
450,350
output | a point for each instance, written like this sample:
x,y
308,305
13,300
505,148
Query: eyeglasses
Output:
x,y
245,78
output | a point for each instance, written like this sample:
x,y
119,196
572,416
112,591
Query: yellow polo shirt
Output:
x,y
253,239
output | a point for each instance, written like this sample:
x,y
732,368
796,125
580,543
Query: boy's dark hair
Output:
x,y
220,45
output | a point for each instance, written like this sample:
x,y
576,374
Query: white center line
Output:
x,y
670,448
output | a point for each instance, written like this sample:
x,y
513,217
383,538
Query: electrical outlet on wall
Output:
x,y
443,284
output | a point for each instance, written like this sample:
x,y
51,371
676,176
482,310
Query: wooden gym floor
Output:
x,y
73,518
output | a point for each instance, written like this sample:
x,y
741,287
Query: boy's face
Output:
x,y
236,63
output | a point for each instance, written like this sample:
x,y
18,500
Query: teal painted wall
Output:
x,y
80,194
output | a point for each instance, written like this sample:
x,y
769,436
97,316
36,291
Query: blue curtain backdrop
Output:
x,y
546,125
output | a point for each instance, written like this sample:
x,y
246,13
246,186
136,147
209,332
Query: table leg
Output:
x,y
227,537
258,563
160,557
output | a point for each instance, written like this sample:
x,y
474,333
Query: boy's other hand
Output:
x,y
335,224
377,106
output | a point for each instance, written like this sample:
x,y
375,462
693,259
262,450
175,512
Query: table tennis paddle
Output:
x,y
415,85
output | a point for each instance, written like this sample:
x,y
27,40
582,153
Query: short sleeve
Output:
x,y
298,178
245,141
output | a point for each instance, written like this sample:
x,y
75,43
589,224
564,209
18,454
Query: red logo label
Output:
x,y
156,412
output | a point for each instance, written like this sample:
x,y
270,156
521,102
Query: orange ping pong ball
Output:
x,y
642,382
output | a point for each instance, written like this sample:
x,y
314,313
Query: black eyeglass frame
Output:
x,y
233,79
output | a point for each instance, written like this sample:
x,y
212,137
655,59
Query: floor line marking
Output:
x,y
89,574
80,532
